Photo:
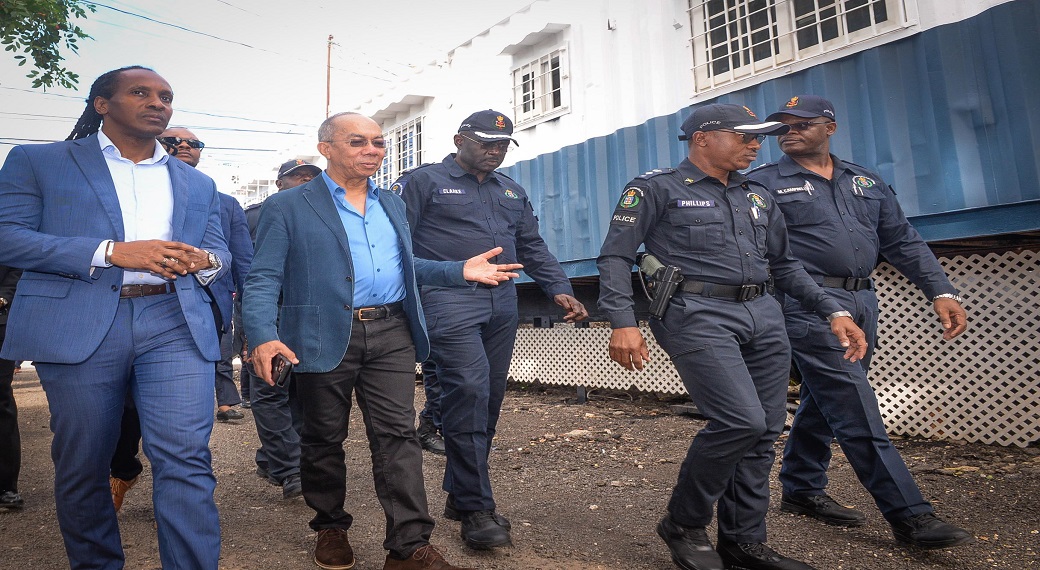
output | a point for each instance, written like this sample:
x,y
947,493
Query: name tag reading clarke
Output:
x,y
452,191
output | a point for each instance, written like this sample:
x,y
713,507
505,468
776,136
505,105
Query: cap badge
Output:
x,y
792,103
500,123
750,112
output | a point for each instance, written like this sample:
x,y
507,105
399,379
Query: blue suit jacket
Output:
x,y
302,254
236,231
57,204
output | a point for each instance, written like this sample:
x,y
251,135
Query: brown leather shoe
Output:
x,y
119,488
332,550
424,558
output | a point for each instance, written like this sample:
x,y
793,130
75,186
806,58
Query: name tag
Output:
x,y
808,187
451,191
695,203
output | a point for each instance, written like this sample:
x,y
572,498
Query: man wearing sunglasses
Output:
x,y
458,208
840,217
724,333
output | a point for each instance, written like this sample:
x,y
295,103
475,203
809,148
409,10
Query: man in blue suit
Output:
x,y
338,252
116,239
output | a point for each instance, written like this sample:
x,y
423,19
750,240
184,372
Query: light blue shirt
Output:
x,y
375,249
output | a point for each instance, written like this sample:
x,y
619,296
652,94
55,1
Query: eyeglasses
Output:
x,y
746,138
500,146
805,125
362,143
176,141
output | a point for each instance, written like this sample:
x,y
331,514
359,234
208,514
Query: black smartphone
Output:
x,y
281,368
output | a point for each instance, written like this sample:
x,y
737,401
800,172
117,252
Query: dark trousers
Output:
x,y
472,332
224,380
125,465
838,402
379,368
279,421
431,411
10,441
734,360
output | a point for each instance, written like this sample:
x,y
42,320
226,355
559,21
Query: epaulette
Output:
x,y
760,167
655,172
254,206
414,168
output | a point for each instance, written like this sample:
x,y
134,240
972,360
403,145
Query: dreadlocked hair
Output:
x,y
104,86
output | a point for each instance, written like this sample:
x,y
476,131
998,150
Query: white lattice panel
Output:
x,y
983,386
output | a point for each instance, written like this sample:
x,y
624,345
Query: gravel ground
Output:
x,y
584,486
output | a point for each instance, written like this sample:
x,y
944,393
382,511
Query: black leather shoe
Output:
x,y
229,414
11,500
929,532
429,438
690,547
822,507
481,530
453,514
246,404
756,556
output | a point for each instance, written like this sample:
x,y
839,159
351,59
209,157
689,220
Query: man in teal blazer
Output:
x,y
333,288
115,240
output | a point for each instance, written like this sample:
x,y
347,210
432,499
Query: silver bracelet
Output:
x,y
948,296
838,314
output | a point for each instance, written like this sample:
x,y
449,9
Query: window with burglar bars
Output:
x,y
541,88
404,150
733,39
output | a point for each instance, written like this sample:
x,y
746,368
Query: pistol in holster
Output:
x,y
661,281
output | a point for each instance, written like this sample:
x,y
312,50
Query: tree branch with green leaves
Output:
x,y
40,30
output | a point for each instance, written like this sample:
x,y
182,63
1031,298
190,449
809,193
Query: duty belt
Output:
x,y
846,283
729,292
379,311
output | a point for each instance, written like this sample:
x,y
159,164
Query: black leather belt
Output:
x,y
846,283
729,292
127,291
379,311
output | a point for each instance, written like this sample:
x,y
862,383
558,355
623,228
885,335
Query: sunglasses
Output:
x,y
362,143
176,141
500,146
746,138
805,125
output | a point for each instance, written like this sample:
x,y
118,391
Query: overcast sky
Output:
x,y
249,76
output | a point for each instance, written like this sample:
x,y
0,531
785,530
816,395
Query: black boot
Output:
x,y
929,532
822,507
429,437
756,556
690,547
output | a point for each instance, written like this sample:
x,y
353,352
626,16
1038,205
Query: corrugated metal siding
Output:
x,y
949,117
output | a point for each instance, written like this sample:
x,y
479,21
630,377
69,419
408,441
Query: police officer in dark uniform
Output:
x,y
840,216
455,207
276,410
722,330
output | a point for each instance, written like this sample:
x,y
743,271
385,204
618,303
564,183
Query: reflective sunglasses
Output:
x,y
746,138
176,141
500,146
362,143
805,125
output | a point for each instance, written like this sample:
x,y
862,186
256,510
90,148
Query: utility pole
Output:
x,y
328,77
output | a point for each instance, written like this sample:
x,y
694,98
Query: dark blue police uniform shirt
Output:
x,y
454,217
838,227
726,234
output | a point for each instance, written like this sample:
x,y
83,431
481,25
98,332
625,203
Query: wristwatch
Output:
x,y
214,261
837,314
953,296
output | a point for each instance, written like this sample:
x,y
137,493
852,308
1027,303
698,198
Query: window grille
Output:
x,y
541,88
404,150
733,39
